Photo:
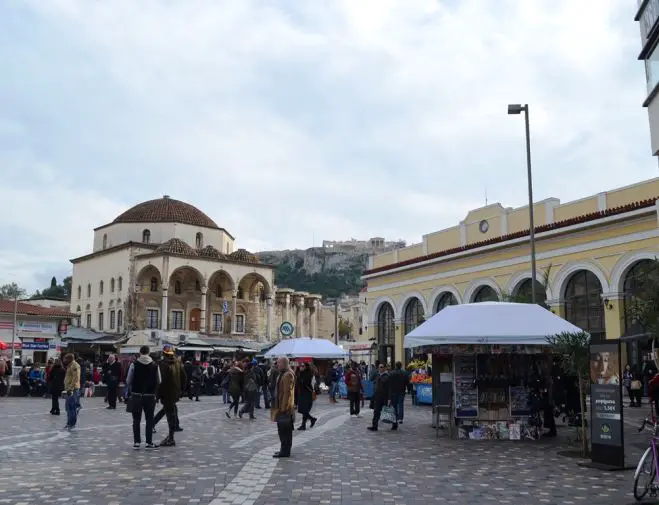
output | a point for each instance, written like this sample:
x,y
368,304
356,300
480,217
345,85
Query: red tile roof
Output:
x,y
524,233
27,309
166,210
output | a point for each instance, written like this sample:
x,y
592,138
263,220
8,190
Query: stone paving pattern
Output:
x,y
219,462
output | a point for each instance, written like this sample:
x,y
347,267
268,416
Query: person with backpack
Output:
x,y
332,382
355,389
143,380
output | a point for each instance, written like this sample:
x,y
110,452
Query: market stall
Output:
x,y
305,347
492,359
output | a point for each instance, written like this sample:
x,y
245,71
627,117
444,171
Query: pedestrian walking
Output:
x,y
305,396
355,388
236,385
172,377
72,388
283,407
111,379
381,397
398,382
143,380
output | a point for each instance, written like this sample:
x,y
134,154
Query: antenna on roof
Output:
x,y
486,196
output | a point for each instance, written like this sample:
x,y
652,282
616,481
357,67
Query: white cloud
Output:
x,y
322,119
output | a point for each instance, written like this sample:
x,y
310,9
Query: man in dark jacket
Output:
x,y
398,380
143,380
111,379
172,376
381,396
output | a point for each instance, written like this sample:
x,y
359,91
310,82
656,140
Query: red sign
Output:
x,y
304,360
63,327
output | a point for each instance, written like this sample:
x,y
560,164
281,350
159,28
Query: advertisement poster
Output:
x,y
606,404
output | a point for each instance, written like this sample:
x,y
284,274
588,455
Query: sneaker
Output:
x,y
136,446
150,446
372,428
228,415
167,443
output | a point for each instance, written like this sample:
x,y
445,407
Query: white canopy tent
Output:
x,y
498,323
305,347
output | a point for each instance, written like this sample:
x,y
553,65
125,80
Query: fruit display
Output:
x,y
418,364
420,378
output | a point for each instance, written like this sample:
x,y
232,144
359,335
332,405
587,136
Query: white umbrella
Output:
x,y
305,347
498,323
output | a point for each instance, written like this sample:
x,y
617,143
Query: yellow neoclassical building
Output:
x,y
593,250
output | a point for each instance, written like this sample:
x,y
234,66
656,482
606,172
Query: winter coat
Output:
x,y
283,402
56,380
172,376
304,392
236,381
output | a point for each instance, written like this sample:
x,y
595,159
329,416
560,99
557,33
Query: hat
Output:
x,y
254,362
168,350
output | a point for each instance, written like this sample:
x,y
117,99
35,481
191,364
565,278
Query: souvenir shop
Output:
x,y
494,388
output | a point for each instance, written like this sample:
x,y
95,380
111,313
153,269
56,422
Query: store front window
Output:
x,y
444,300
583,303
523,292
386,332
639,280
414,316
486,294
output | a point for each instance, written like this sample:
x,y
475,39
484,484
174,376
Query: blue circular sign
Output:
x,y
286,329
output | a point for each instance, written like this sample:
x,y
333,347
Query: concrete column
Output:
x,y
314,320
613,315
287,308
164,316
203,327
234,310
257,301
299,317
268,322
399,352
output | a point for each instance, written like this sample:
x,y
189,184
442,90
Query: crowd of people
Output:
x,y
286,389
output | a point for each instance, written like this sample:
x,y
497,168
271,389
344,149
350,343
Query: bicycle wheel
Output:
x,y
644,474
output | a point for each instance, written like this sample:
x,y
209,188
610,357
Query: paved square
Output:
x,y
218,461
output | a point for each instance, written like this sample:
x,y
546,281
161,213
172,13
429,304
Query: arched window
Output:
x,y
154,284
120,283
385,322
78,309
146,236
583,303
197,285
486,294
120,319
199,240
444,301
100,288
112,285
177,287
414,314
218,291
105,240
523,292
89,290
639,281
79,291
240,294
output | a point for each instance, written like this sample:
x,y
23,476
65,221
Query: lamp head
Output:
x,y
515,108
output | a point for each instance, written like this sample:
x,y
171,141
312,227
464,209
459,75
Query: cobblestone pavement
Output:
x,y
219,462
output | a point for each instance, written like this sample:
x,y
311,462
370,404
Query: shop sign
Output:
x,y
37,327
35,346
286,329
606,426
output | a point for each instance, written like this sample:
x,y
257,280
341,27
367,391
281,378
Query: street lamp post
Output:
x,y
13,330
518,109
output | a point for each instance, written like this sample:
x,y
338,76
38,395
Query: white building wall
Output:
x,y
91,272
121,233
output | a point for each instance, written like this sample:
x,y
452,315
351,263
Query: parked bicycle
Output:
x,y
646,476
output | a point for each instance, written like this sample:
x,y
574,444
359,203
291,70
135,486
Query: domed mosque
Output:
x,y
164,267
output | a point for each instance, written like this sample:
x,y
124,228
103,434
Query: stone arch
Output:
x,y
518,277
143,278
475,285
373,314
221,279
438,292
624,264
249,283
78,309
406,299
189,277
565,273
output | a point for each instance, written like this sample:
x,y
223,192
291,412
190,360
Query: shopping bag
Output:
x,y
388,415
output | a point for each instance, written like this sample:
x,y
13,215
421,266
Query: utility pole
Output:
x,y
336,321
13,330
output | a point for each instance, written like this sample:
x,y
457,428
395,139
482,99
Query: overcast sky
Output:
x,y
292,121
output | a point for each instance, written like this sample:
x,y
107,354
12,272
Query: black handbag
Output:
x,y
131,403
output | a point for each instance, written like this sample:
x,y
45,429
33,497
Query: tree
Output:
x,y
644,303
56,290
573,350
11,291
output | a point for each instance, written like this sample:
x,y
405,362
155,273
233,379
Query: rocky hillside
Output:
x,y
318,270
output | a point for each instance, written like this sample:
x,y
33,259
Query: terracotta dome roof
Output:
x,y
211,252
244,256
166,210
176,246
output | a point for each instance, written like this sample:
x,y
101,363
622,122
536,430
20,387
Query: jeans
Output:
x,y
54,400
162,413
355,399
266,397
146,404
332,390
72,405
235,401
226,397
113,387
398,403
250,401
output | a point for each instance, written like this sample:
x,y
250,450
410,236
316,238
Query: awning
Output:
x,y
194,348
